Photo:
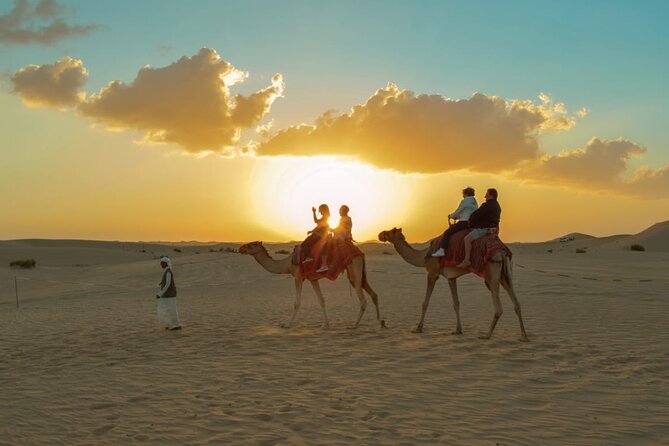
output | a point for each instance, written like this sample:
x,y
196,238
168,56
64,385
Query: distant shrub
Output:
x,y
27,263
142,250
388,253
228,249
581,251
549,250
177,250
283,251
636,247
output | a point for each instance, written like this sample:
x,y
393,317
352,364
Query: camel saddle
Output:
x,y
339,255
482,251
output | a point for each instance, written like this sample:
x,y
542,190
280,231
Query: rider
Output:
x,y
343,229
316,235
484,220
461,214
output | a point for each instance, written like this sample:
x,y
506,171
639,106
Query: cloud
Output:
x,y
187,103
601,166
39,23
398,130
55,85
648,183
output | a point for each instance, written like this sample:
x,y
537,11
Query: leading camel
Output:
x,y
355,270
497,271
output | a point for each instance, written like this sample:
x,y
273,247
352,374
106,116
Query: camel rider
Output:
x,y
482,221
461,214
317,234
345,226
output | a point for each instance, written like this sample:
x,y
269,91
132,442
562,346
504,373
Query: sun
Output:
x,y
283,191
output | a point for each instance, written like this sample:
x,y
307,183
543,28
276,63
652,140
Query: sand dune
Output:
x,y
84,362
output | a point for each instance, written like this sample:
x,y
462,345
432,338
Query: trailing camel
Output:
x,y
497,271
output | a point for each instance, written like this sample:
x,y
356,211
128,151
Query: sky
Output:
x,y
227,121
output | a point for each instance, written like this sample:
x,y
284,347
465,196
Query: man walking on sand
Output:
x,y
167,297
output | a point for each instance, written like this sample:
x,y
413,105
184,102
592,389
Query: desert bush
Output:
x,y
636,247
283,251
228,249
27,263
177,250
581,251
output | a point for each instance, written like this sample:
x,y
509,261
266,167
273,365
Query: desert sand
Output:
x,y
84,360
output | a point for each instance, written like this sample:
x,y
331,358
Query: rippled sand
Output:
x,y
84,361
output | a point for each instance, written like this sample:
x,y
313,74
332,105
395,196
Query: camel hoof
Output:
x,y
286,326
524,339
456,332
383,323
418,329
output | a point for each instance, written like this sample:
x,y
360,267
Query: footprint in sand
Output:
x,y
103,429
264,417
102,406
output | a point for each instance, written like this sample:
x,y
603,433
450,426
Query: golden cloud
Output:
x,y
398,130
601,166
648,183
55,85
39,23
187,103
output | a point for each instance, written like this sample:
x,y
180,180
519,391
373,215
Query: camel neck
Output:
x,y
410,255
281,266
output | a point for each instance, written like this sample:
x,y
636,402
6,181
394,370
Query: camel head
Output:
x,y
391,235
252,248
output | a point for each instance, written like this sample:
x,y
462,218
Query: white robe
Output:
x,y
167,312
167,306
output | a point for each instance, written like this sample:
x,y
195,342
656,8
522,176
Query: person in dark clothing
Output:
x,y
482,221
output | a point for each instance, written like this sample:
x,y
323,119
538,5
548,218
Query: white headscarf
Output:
x,y
166,260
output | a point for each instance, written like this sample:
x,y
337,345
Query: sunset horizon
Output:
x,y
310,222
215,137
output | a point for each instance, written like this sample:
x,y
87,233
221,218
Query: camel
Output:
x,y
498,271
355,270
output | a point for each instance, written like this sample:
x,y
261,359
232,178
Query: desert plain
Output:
x,y
84,360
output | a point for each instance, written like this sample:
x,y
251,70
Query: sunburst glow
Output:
x,y
284,190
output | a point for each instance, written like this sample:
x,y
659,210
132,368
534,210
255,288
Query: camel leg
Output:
x,y
375,300
516,306
492,277
356,279
431,281
453,284
298,301
321,301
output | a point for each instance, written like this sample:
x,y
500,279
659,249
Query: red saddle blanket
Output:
x,y
339,254
482,250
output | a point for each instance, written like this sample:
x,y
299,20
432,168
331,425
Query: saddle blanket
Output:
x,y
482,251
338,254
